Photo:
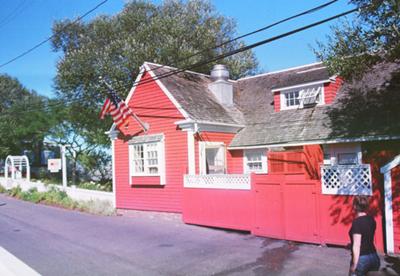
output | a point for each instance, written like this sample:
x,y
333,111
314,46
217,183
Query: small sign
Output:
x,y
54,165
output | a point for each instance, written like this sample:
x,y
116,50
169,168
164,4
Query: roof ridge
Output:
x,y
175,68
283,70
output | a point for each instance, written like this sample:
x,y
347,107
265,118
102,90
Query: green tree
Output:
x,y
372,37
115,46
24,119
366,52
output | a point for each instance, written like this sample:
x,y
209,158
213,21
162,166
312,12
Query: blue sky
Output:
x,y
24,23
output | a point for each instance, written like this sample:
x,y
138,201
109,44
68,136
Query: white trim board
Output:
x,y
389,212
283,70
319,142
130,94
389,166
284,88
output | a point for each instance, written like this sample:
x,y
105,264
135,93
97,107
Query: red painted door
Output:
x,y
300,212
286,209
268,203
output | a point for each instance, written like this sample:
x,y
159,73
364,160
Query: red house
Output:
x,y
268,154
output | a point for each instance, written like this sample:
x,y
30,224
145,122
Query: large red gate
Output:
x,y
286,207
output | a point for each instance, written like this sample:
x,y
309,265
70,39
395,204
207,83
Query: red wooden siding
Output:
x,y
277,101
234,159
151,104
330,90
147,180
395,173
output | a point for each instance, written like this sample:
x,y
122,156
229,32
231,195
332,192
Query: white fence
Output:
x,y
74,193
218,181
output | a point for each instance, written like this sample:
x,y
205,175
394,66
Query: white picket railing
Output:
x,y
218,181
346,179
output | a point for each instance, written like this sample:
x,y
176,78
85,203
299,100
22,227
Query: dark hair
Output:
x,y
360,203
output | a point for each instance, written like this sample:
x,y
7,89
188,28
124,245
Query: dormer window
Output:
x,y
292,98
301,97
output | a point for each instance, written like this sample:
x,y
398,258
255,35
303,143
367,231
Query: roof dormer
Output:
x,y
300,95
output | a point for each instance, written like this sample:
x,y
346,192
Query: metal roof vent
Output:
x,y
219,72
221,87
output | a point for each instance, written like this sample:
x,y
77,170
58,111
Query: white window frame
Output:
x,y
332,152
284,92
202,155
264,160
160,158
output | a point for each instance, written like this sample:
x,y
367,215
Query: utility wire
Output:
x,y
312,10
242,49
245,48
14,13
239,37
49,38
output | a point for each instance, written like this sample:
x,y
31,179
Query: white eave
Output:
x,y
145,68
199,125
319,142
301,85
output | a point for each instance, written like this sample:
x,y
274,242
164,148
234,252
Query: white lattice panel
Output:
x,y
218,181
346,180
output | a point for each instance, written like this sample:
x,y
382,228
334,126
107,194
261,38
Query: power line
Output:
x,y
245,48
312,10
14,13
242,49
250,33
52,36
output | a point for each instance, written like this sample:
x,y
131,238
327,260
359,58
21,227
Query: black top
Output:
x,y
364,225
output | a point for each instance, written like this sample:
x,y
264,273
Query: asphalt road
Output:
x,y
55,241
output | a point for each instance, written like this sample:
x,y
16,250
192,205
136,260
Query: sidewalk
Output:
x,y
12,266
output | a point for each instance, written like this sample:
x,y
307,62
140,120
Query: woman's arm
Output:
x,y
356,251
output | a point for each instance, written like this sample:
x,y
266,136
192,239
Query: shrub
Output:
x,y
55,196
2,190
32,195
15,192
107,186
100,207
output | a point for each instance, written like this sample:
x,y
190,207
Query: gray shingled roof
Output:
x,y
329,122
190,90
254,105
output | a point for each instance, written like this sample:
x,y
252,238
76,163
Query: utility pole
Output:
x,y
64,165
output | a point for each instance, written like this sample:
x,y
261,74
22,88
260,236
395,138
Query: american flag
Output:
x,y
117,108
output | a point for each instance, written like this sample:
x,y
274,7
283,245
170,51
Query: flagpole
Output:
x,y
145,126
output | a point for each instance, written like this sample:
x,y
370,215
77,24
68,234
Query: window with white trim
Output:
x,y
302,97
146,156
145,159
292,98
255,160
212,157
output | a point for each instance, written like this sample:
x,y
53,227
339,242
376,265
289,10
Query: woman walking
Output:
x,y
363,253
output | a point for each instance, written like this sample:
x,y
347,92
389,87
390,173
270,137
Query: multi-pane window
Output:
x,y
302,97
292,98
255,160
145,158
